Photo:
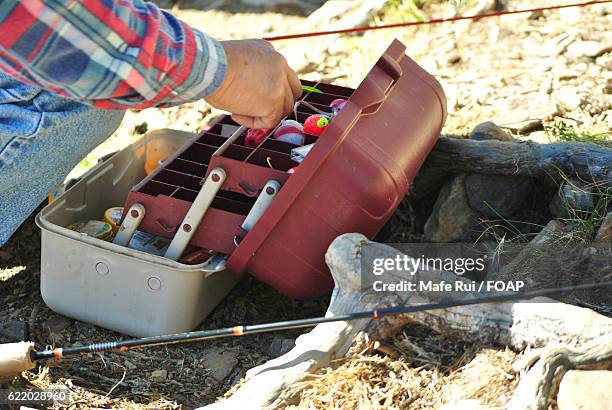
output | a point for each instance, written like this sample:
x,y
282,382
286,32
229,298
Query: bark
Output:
x,y
590,162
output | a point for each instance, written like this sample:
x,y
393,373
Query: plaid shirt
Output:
x,y
114,54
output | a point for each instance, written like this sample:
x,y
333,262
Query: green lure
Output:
x,y
311,89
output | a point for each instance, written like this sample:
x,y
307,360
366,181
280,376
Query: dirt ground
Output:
x,y
530,73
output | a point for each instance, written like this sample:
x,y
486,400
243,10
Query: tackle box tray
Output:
x,y
116,287
353,179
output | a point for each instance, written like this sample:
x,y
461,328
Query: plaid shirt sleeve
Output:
x,y
114,54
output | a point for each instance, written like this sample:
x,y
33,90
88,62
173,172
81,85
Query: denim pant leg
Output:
x,y
42,137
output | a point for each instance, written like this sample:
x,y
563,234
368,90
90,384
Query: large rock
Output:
x,y
452,219
524,113
489,131
574,197
496,196
585,390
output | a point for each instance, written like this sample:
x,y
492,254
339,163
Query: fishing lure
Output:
x,y
255,136
316,124
311,89
290,131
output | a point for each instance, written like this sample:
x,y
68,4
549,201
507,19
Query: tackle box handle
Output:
x,y
375,89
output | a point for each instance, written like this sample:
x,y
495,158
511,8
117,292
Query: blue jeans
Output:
x,y
42,137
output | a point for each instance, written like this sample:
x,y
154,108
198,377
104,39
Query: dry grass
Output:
x,y
91,398
420,370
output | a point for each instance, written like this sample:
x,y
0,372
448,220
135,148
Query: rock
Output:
x,y
604,234
496,196
568,97
280,346
220,362
489,131
573,197
302,56
585,390
589,48
541,137
526,112
13,331
570,16
452,219
159,375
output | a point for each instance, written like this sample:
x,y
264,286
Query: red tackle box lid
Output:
x,y
352,180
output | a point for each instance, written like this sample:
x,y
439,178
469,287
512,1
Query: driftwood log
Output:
x,y
590,162
534,324
550,364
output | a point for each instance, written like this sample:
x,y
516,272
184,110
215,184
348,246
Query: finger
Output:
x,y
245,120
289,101
295,84
267,121
278,108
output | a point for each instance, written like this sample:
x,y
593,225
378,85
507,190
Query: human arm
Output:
x,y
130,54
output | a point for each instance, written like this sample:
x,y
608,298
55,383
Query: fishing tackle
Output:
x,y
337,105
255,136
290,131
310,89
316,124
17,357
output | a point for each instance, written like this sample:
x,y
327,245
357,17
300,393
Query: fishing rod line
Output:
x,y
242,330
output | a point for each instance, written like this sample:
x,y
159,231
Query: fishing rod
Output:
x,y
18,357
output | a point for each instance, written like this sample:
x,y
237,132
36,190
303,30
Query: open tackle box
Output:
x,y
113,286
219,193
241,202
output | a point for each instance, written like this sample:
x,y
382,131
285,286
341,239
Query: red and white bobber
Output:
x,y
290,131
338,104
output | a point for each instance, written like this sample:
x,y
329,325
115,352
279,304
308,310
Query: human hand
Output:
x,y
259,87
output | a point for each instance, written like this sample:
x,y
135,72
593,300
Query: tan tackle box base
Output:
x,y
115,287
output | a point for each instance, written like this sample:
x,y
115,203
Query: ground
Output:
x,y
539,75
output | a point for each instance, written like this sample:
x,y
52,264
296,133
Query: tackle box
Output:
x,y
116,287
352,180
